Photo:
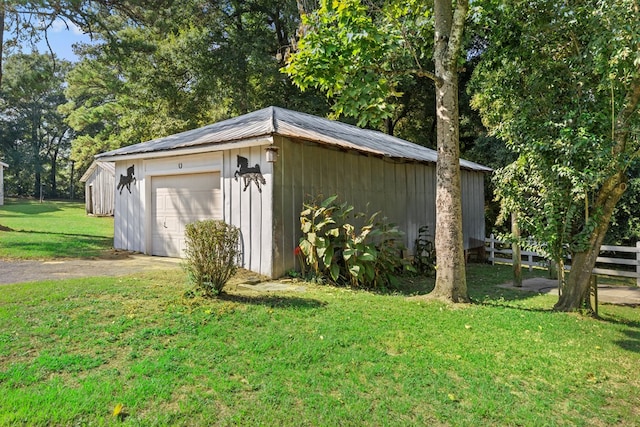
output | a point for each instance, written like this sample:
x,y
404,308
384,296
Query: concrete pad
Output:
x,y
272,286
606,293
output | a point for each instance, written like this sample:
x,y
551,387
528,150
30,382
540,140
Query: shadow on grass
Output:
x,y
58,245
20,207
273,301
633,342
55,233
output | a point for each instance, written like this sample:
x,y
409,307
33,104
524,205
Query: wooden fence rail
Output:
x,y
617,261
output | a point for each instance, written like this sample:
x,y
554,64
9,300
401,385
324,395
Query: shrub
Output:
x,y
369,256
211,254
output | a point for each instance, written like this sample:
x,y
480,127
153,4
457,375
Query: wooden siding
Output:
x,y
130,209
473,225
269,220
250,210
171,166
404,192
100,190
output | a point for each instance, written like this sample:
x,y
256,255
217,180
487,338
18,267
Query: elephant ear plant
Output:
x,y
211,255
367,256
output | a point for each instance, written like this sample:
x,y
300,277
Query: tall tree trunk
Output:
x,y
54,171
451,281
37,186
576,292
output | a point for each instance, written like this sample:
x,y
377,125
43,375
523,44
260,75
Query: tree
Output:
x,y
34,134
560,83
23,22
194,63
361,56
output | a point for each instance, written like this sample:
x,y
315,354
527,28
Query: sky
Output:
x,y
61,39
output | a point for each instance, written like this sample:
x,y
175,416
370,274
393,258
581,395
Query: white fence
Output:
x,y
617,261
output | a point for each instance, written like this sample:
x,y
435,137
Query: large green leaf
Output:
x,y
335,272
355,270
328,256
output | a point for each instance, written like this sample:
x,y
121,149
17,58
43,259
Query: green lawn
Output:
x,y
52,230
71,351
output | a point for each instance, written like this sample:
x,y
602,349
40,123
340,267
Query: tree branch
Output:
x,y
630,106
457,30
422,73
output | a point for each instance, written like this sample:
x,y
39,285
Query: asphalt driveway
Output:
x,y
124,263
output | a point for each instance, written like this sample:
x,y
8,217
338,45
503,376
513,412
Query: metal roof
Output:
x,y
279,121
110,167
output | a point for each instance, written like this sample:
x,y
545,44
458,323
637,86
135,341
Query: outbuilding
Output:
x,y
2,168
255,172
99,188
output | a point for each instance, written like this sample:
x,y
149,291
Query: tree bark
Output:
x,y
451,282
576,292
515,252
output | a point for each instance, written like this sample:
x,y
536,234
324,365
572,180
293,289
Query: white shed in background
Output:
x,y
99,188
2,168
226,171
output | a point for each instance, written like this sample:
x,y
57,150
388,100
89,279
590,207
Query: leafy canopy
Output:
x,y
552,83
362,55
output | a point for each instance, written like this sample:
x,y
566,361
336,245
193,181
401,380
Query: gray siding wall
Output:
x,y
100,192
250,210
269,220
473,226
404,192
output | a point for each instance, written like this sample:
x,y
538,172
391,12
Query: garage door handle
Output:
x,y
164,224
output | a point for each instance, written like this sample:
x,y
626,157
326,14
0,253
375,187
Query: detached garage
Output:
x,y
256,171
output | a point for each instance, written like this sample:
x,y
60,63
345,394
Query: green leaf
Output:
x,y
328,201
355,270
369,272
328,256
305,225
334,271
348,253
335,232
367,256
305,246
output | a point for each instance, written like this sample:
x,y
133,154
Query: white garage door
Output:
x,y
177,200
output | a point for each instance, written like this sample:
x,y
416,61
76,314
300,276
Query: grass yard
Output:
x,y
33,230
71,351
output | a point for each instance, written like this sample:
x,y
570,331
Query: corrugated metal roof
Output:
x,y
279,121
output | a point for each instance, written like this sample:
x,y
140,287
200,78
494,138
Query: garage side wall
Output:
x,y
404,192
473,226
250,209
129,215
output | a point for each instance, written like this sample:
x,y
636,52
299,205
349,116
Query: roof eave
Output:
x,y
181,151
